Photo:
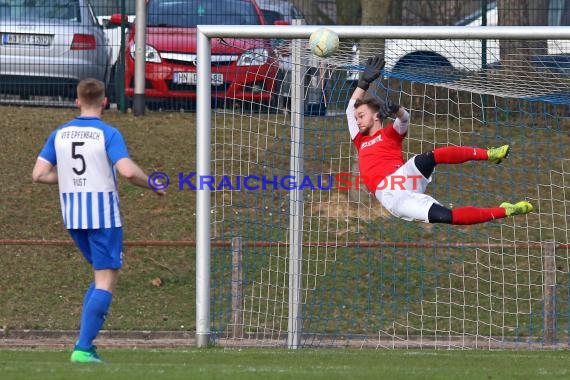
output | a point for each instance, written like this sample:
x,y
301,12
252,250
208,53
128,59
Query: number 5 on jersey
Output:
x,y
77,156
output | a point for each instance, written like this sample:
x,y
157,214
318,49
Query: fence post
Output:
x,y
237,287
140,59
549,291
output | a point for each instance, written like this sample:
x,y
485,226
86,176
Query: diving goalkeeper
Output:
x,y
379,149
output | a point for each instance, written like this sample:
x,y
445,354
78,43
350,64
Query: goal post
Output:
x,y
203,146
296,201
485,292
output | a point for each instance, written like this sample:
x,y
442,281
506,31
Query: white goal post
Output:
x,y
205,33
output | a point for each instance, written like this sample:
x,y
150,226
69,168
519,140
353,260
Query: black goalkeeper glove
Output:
x,y
388,108
372,71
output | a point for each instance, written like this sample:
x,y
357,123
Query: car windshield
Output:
x,y
45,9
190,13
109,7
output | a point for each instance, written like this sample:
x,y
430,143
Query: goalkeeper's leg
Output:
x,y
464,215
475,215
427,161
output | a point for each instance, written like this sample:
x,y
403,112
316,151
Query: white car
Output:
x,y
402,54
103,10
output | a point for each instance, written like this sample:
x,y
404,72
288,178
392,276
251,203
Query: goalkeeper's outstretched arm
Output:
x,y
372,71
402,120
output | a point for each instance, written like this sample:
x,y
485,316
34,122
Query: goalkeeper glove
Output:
x,y
388,108
372,71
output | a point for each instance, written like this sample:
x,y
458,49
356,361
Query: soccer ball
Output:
x,y
323,42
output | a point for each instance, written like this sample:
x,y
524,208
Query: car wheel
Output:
x,y
314,99
111,90
276,102
280,98
422,60
316,109
115,85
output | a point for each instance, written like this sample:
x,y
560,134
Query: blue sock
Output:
x,y
93,318
87,296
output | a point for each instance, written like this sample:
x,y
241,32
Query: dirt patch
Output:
x,y
339,205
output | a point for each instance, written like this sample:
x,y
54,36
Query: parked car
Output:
x,y
465,55
48,46
103,10
170,72
283,12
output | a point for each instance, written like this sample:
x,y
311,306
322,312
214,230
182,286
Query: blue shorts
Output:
x,y
102,248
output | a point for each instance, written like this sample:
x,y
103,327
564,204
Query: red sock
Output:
x,y
459,154
475,215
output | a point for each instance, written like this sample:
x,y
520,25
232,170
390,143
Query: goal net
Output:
x,y
303,249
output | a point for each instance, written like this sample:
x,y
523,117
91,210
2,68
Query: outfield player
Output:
x,y
82,156
399,185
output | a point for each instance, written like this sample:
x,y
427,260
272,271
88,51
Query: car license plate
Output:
x,y
26,39
192,78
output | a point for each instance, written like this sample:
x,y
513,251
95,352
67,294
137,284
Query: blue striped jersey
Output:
x,y
85,151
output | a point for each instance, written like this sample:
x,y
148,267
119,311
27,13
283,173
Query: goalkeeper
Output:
x,y
379,149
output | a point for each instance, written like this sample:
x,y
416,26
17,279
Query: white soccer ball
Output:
x,y
323,42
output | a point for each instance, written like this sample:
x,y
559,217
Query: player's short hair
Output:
x,y
91,91
373,102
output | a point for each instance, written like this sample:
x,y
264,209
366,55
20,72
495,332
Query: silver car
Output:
x,y
48,46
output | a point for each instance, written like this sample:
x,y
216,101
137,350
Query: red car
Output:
x,y
242,69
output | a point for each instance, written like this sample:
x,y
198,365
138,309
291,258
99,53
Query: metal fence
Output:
x,y
47,46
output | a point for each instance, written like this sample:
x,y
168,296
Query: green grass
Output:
x,y
287,364
42,286
349,291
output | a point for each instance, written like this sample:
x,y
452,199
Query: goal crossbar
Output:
x,y
395,32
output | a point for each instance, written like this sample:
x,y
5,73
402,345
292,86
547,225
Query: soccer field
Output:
x,y
287,364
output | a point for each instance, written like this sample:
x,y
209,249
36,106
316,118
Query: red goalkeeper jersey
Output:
x,y
380,154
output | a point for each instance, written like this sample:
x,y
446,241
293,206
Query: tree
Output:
x,y
313,12
538,15
396,13
429,12
348,12
374,12
517,13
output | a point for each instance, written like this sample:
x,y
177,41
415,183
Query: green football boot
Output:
x,y
81,356
519,208
496,155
